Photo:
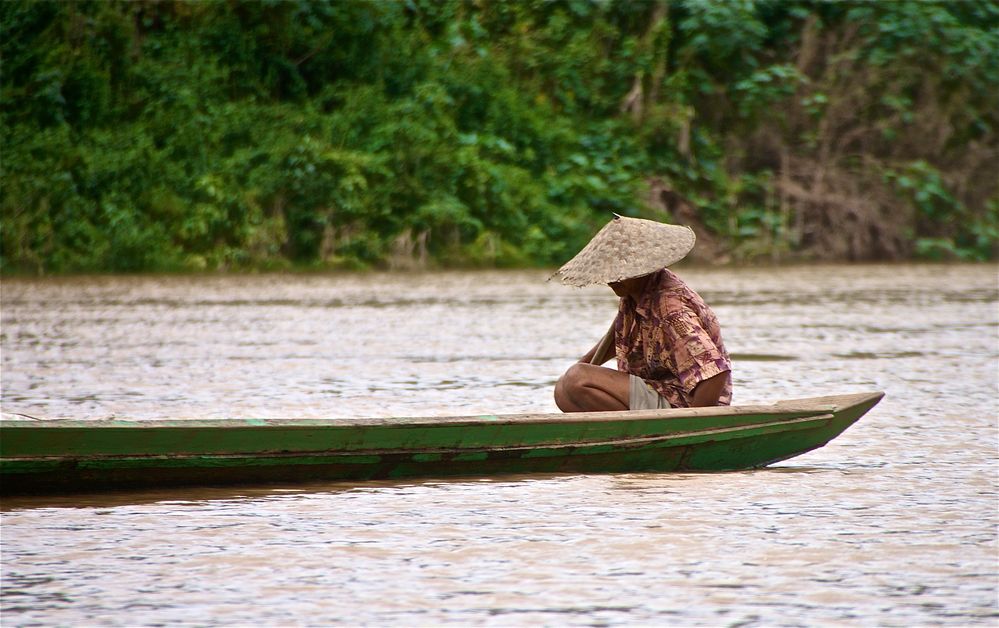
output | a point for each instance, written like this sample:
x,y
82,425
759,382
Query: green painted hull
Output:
x,y
66,456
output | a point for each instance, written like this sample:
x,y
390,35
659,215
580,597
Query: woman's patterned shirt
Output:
x,y
670,338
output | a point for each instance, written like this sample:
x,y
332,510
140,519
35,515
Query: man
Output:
x,y
666,339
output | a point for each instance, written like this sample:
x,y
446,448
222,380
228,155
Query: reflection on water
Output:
x,y
893,523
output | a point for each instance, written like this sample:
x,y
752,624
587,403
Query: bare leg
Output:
x,y
590,388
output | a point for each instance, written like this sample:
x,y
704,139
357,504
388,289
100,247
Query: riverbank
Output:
x,y
195,136
692,264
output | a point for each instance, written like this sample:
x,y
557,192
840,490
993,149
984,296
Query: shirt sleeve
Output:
x,y
690,349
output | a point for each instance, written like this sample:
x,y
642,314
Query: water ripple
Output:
x,y
894,523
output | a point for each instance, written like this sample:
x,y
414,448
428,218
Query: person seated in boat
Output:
x,y
666,339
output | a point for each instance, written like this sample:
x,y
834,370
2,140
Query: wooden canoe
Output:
x,y
53,456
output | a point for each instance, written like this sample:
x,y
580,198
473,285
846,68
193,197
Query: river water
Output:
x,y
893,523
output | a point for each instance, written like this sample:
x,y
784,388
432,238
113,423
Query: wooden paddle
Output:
x,y
605,350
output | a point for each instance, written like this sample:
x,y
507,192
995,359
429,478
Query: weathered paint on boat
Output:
x,y
67,455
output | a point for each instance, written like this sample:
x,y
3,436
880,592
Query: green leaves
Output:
x,y
945,228
769,86
348,133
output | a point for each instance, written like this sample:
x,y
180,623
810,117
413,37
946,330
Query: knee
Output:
x,y
567,386
575,376
571,379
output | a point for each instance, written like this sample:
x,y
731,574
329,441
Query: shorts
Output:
x,y
641,396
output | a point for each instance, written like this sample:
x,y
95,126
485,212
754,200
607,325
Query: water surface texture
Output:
x,y
893,523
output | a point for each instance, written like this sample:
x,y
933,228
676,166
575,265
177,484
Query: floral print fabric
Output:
x,y
670,338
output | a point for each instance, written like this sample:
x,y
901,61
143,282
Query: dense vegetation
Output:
x,y
171,135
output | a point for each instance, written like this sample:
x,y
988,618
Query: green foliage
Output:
x,y
946,227
211,135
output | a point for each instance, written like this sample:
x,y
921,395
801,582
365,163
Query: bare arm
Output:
x,y
602,351
708,391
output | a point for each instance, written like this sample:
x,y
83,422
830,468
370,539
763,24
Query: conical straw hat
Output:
x,y
626,248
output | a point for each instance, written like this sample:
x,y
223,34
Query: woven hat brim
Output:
x,y
625,248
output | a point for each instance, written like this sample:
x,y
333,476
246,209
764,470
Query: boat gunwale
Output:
x,y
799,422
807,406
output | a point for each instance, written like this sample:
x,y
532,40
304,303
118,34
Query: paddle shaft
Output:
x,y
605,349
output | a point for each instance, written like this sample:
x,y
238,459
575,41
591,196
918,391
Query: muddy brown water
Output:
x,y
893,523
